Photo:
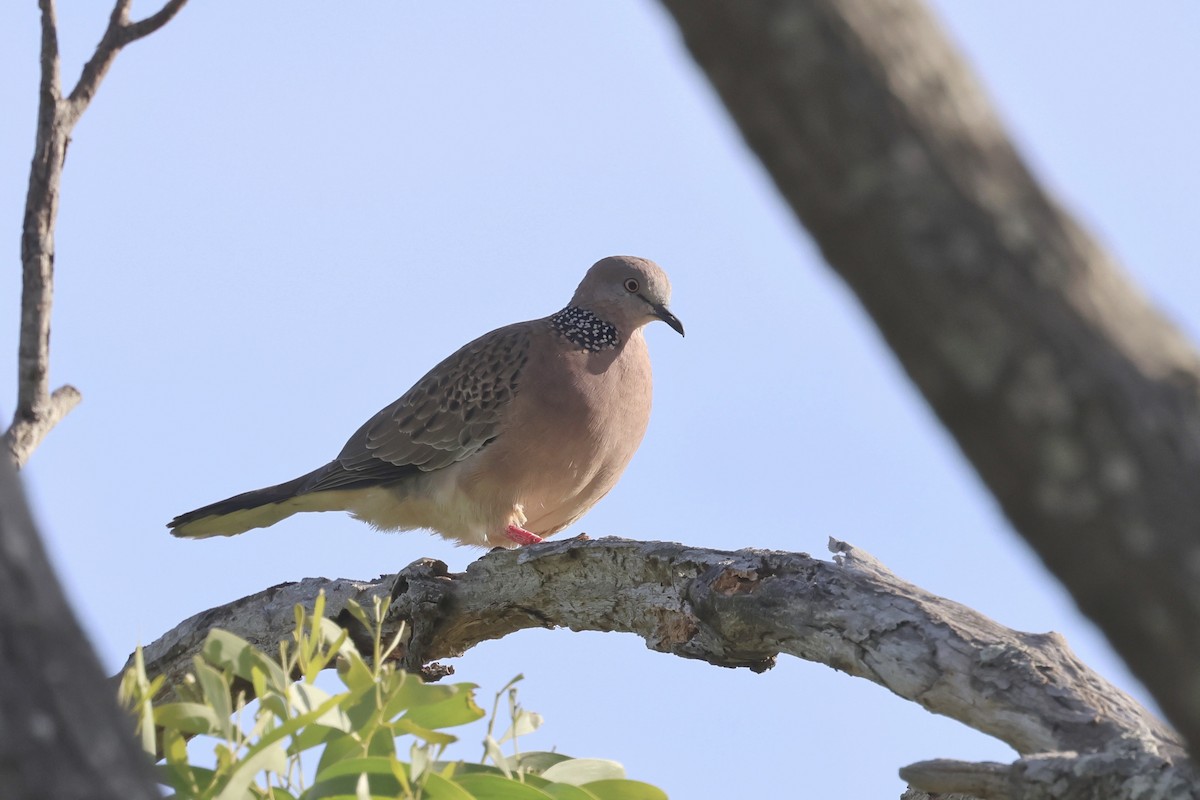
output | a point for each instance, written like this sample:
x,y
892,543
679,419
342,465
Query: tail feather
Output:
x,y
257,509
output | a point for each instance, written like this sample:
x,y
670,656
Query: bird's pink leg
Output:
x,y
521,536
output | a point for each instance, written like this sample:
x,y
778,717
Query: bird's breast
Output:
x,y
577,422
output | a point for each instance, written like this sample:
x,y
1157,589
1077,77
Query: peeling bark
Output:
x,y
743,609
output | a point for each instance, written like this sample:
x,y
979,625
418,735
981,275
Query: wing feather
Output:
x,y
451,414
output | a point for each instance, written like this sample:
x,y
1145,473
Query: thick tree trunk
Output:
x,y
61,733
1075,400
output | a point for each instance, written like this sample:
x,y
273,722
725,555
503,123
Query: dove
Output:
x,y
509,440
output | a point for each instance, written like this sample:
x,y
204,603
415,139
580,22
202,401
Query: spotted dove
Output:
x,y
509,440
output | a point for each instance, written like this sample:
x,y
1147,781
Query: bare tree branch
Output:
x,y
1114,773
26,434
742,609
1075,400
33,412
152,23
37,409
119,33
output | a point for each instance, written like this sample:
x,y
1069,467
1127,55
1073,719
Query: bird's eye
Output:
x,y
631,285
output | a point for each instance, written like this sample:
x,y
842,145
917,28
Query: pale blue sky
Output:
x,y
275,219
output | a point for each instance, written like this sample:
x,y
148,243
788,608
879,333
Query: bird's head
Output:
x,y
628,292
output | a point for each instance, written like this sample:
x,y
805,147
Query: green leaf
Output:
x,y
304,697
272,758
382,743
310,737
458,709
402,776
339,748
565,791
215,686
419,760
438,788
258,679
370,765
136,691
455,768
327,640
354,776
188,781
579,771
361,707
275,704
187,718
332,634
403,726
358,730
289,728
625,790
174,746
224,650
494,787
405,691
359,613
354,672
492,749
526,723
538,761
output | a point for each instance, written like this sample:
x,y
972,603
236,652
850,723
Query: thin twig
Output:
x,y
155,21
37,409
119,33
26,434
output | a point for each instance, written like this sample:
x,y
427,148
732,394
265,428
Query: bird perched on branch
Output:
x,y
510,439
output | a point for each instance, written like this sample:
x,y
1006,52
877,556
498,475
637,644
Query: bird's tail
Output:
x,y
256,509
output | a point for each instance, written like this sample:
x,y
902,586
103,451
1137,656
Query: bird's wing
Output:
x,y
452,413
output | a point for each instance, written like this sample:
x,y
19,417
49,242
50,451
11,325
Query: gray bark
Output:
x,y
61,733
743,609
1076,401
38,409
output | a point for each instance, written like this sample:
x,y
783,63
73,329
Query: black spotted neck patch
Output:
x,y
583,328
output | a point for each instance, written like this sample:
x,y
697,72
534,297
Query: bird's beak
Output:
x,y
663,313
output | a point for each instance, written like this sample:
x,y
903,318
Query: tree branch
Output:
x,y
34,409
739,609
1117,772
37,409
27,433
152,23
119,33
1076,401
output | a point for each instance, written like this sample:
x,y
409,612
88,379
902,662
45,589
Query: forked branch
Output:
x,y
38,410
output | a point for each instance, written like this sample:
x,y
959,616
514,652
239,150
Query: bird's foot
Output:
x,y
521,536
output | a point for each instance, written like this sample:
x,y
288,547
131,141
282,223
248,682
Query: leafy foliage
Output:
x,y
359,733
